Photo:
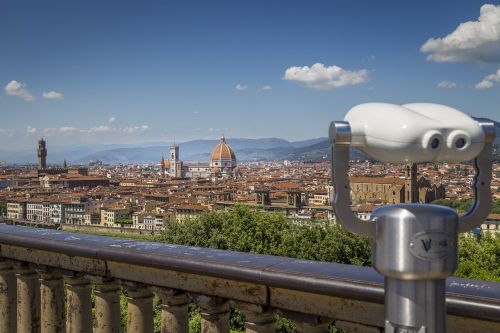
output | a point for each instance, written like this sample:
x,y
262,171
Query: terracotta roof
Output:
x,y
377,180
287,185
364,208
192,207
494,217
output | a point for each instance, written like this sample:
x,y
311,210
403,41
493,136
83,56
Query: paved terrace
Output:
x,y
45,265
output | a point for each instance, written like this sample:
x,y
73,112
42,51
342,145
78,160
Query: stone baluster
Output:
x,y
214,314
107,306
257,318
139,309
7,298
52,303
174,310
28,299
79,306
305,323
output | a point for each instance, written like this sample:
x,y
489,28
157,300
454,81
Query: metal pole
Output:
x,y
415,306
415,248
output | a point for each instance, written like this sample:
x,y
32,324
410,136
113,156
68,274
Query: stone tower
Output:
x,y
174,158
411,185
162,166
42,155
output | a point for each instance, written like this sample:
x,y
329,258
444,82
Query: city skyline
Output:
x,y
105,73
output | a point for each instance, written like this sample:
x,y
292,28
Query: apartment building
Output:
x,y
16,210
57,212
38,211
115,215
187,211
319,198
75,210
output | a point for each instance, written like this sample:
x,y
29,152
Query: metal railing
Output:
x,y
39,266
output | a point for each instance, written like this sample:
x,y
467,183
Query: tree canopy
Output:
x,y
241,229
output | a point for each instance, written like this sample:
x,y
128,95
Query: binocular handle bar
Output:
x,y
340,140
482,183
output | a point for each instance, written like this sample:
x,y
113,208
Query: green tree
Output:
x,y
241,229
479,259
460,205
3,207
495,207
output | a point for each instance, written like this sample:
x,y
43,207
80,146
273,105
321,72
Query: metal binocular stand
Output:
x,y
415,246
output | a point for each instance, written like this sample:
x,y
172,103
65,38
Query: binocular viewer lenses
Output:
x,y
456,140
460,143
435,143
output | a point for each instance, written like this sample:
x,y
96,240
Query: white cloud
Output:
x,y
70,130
52,95
447,84
131,130
473,41
488,81
112,119
18,89
267,88
241,87
94,131
483,85
136,129
8,132
100,129
31,130
323,78
494,77
50,131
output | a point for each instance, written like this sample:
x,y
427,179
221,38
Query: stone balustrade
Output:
x,y
39,268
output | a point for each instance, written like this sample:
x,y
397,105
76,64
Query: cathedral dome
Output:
x,y
223,154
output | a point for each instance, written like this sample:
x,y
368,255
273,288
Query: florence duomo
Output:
x,y
222,164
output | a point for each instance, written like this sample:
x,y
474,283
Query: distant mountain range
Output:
x,y
199,151
268,149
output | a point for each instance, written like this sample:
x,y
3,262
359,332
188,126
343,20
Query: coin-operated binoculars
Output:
x,y
413,245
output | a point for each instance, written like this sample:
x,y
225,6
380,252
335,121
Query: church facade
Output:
x,y
395,190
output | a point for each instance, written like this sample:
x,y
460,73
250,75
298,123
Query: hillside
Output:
x,y
199,151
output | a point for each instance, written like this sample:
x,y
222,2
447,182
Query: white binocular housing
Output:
x,y
413,133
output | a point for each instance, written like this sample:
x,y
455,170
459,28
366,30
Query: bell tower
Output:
x,y
411,185
42,155
174,158
162,166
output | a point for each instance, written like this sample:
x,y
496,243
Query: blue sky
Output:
x,y
91,72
